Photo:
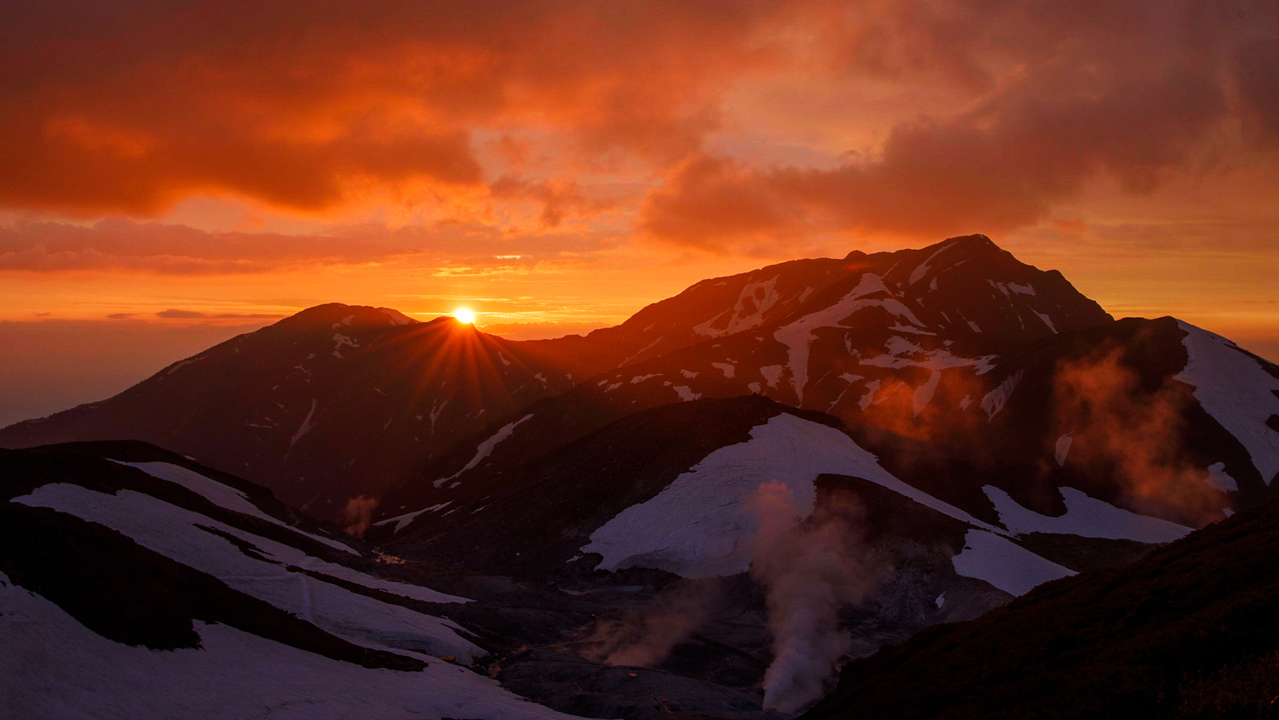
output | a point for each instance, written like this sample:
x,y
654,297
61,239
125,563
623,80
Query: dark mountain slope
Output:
x,y
331,403
135,583
1191,630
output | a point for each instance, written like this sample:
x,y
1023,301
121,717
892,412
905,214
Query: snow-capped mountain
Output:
x,y
672,488
927,434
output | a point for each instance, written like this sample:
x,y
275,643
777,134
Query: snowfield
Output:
x,y
1084,517
176,533
54,667
1004,564
703,525
1236,391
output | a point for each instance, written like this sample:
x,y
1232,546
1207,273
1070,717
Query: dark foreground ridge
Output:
x,y
1189,631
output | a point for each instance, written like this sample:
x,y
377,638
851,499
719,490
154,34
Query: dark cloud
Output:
x,y
1063,94
302,104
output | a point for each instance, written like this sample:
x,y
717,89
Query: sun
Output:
x,y
464,316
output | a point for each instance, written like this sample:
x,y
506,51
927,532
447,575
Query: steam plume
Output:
x,y
809,570
357,515
646,639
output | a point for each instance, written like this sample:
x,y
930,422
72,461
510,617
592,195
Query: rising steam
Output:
x,y
1135,435
644,639
357,515
809,570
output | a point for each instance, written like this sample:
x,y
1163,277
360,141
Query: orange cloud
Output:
x,y
999,167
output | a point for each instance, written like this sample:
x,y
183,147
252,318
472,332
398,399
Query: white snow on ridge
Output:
x,y
81,674
305,427
1047,321
686,393
799,335
222,495
741,320
1004,564
175,533
702,524
995,400
922,269
1236,391
1084,517
485,448
402,520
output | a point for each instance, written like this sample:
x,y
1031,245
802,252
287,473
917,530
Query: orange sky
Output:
x,y
170,176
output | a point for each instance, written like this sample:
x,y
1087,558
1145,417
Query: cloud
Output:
x,y
1056,99
175,314
123,245
1000,167
305,105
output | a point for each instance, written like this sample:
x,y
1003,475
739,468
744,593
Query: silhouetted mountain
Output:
x,y
328,404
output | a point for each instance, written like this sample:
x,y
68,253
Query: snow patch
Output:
x,y
686,393
771,374
799,335
922,269
232,674
305,427
924,393
1062,449
486,448
1219,479
1085,517
1004,564
702,524
1236,391
997,398
1047,321
727,368
763,295
177,534
224,496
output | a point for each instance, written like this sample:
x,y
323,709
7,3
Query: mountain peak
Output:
x,y
329,314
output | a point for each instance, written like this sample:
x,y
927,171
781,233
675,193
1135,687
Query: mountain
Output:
x,y
1189,631
994,300
329,404
706,509
134,583
958,365
692,490
137,583
672,487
